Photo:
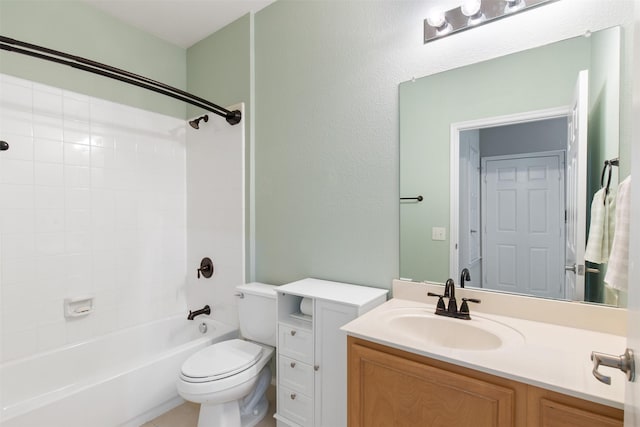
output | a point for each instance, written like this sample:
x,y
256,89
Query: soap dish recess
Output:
x,y
78,306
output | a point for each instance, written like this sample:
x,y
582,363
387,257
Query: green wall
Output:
x,y
326,142
75,27
219,69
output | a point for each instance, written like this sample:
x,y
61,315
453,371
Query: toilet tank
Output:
x,y
257,312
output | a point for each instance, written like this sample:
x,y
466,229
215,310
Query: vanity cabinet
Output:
x,y
312,350
390,387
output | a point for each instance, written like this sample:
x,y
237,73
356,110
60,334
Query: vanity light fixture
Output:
x,y
439,23
472,9
473,13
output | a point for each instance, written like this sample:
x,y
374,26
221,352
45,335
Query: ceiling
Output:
x,y
181,22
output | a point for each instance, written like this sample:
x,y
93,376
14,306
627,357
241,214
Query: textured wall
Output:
x,y
327,76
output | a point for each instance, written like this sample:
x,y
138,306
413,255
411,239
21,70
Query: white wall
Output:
x,y
215,214
92,202
547,135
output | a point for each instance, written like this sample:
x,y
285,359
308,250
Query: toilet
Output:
x,y
229,379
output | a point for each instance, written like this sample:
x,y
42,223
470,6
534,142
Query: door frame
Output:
x,y
454,161
560,155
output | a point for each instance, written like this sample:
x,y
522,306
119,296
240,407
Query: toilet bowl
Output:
x,y
229,379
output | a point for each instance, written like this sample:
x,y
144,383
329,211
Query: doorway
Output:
x,y
510,197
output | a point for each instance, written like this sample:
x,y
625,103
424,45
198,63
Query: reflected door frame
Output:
x,y
454,153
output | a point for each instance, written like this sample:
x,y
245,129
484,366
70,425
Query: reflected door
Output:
x,y
577,189
523,230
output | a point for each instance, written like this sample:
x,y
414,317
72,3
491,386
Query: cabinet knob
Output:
x,y
316,367
293,333
293,364
293,396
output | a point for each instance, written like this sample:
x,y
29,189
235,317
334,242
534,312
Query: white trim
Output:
x,y
454,161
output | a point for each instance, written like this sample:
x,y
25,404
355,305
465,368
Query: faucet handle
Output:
x,y
440,306
464,308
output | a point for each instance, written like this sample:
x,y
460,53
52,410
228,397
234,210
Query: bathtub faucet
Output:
x,y
193,314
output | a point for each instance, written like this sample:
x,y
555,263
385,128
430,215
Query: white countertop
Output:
x,y
553,357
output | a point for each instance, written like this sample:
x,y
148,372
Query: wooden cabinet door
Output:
x,y
390,390
549,409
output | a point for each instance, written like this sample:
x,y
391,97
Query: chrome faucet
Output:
x,y
205,310
452,308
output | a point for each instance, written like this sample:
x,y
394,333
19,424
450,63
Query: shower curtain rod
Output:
x,y
80,63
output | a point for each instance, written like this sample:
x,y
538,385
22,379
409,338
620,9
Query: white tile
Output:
x,y
77,154
17,246
103,157
16,196
103,240
77,220
79,265
48,128
78,242
46,88
51,335
16,122
75,110
77,177
49,243
49,197
47,102
77,133
16,171
17,220
20,147
16,96
102,140
49,174
77,198
50,310
48,269
49,220
17,271
48,150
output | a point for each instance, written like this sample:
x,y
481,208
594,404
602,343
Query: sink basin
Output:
x,y
477,334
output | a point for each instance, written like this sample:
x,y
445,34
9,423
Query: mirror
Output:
x,y
467,134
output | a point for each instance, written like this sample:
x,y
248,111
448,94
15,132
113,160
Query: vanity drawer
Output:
x,y
295,375
295,406
295,342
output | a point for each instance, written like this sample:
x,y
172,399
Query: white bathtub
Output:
x,y
121,379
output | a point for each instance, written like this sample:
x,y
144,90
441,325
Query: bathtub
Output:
x,y
124,378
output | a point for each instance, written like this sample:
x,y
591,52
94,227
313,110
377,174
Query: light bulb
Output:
x,y
471,8
436,18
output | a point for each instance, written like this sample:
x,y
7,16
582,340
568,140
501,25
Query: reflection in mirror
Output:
x,y
522,140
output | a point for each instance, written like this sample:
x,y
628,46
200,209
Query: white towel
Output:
x,y
617,276
601,229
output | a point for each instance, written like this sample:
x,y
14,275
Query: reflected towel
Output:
x,y
601,228
617,276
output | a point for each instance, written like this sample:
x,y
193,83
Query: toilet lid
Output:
x,y
221,360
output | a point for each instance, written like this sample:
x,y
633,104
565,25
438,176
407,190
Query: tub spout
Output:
x,y
193,314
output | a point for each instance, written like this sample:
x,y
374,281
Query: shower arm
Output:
x,y
40,52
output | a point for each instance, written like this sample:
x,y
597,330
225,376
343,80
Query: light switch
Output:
x,y
438,233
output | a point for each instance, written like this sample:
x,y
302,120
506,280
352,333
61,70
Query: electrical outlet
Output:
x,y
438,233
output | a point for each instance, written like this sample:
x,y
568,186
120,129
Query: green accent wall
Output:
x,y
219,70
77,28
326,141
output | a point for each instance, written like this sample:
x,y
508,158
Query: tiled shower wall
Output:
x,y
92,203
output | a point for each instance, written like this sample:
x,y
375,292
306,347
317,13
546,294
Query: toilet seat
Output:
x,y
231,357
